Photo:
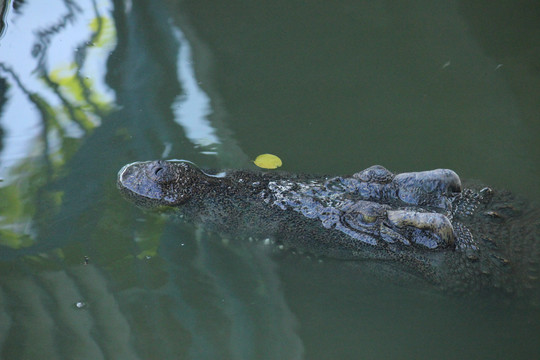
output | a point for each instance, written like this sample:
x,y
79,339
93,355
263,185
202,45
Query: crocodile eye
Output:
x,y
157,171
369,218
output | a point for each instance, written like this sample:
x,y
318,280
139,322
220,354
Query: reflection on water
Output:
x,y
79,281
88,86
54,68
57,69
192,107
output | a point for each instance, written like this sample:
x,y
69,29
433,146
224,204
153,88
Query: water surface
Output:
x,y
88,86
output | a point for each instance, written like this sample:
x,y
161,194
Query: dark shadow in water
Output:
x,y
3,99
3,13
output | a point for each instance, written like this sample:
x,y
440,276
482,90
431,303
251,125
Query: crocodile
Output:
x,y
460,239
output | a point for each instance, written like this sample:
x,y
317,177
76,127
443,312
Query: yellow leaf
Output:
x,y
268,161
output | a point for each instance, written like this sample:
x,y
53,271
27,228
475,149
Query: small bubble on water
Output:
x,y
80,304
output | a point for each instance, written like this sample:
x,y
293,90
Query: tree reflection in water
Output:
x,y
86,87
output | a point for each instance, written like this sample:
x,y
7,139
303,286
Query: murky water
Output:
x,y
88,86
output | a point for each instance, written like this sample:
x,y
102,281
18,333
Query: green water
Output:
x,y
330,87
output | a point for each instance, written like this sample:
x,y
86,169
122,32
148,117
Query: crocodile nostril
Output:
x,y
158,171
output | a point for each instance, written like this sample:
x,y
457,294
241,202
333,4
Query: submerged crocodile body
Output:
x,y
421,223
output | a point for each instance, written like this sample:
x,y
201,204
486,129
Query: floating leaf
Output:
x,y
268,161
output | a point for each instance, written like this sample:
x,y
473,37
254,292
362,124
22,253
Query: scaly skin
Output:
x,y
420,223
